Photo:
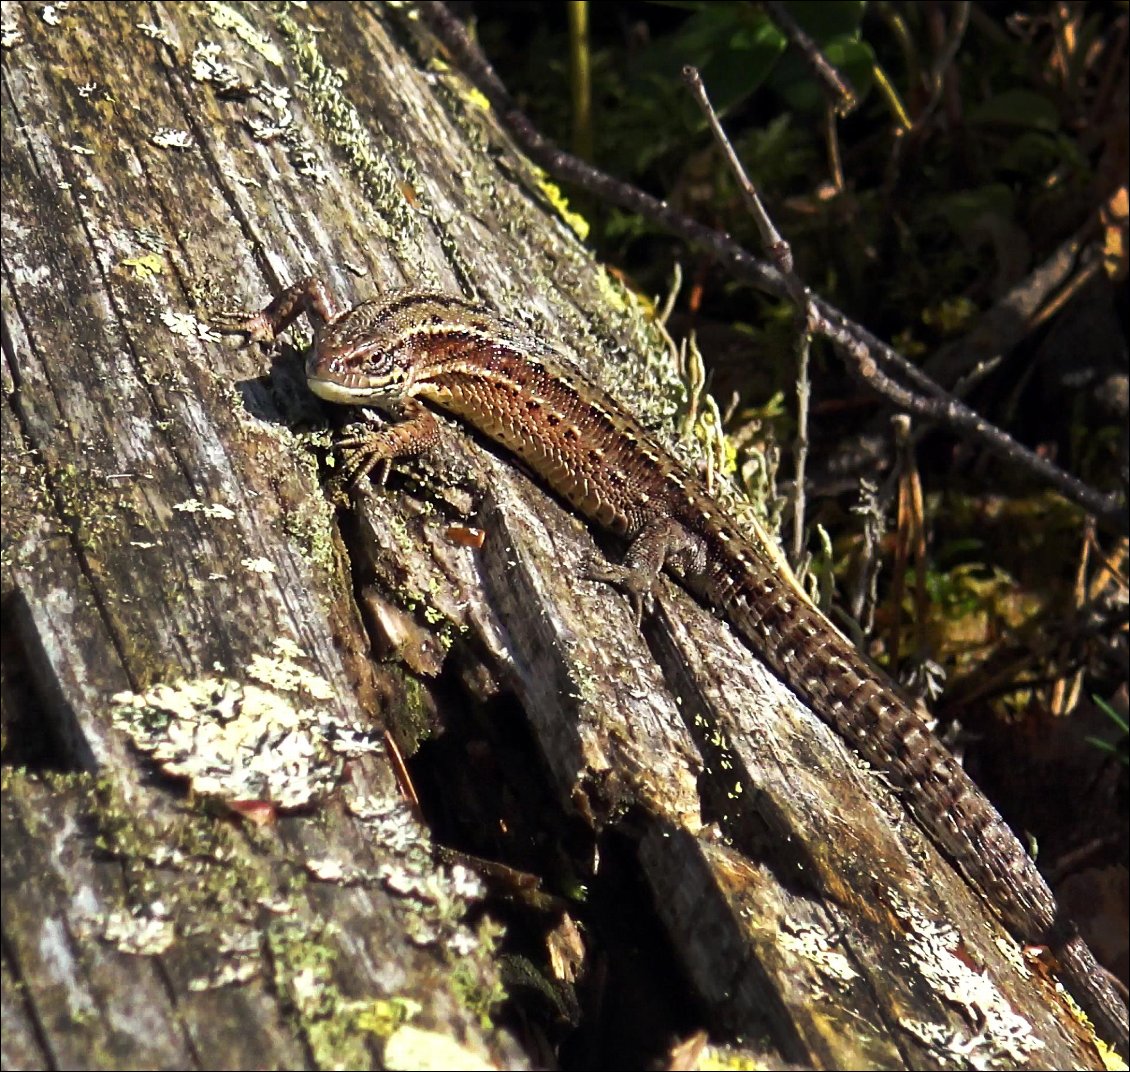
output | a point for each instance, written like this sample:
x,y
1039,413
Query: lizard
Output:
x,y
411,352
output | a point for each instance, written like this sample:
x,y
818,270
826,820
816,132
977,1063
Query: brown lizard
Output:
x,y
498,377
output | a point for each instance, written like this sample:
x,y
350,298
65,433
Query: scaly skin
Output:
x,y
495,375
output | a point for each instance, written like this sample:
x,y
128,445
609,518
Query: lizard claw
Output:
x,y
361,453
640,602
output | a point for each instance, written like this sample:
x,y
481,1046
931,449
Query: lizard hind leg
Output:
x,y
660,542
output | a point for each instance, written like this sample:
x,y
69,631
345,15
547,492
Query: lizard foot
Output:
x,y
254,327
637,585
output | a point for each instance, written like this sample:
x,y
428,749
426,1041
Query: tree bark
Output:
x,y
165,524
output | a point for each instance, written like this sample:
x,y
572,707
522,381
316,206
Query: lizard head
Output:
x,y
357,360
378,352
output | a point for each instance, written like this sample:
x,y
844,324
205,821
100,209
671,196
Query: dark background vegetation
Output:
x,y
984,136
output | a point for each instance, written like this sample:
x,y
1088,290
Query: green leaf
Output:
x,y
733,46
963,209
795,80
1017,108
824,21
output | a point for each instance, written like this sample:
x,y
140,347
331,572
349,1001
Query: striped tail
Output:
x,y
867,710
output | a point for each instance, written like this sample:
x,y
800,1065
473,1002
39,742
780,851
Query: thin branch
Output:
x,y
1012,316
864,594
838,88
1074,286
800,442
864,352
944,61
935,84
782,254
867,352
778,249
832,143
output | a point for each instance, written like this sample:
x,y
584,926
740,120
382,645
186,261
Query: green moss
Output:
x,y
385,172
93,508
413,718
303,959
475,981
384,1016
311,526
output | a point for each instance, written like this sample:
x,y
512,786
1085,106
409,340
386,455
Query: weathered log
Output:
x,y
165,524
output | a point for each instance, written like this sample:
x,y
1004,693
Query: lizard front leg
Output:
x,y
309,295
415,431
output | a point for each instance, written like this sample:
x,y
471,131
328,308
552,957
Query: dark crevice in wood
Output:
x,y
41,732
484,792
637,1002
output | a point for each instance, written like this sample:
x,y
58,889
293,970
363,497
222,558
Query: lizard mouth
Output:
x,y
347,393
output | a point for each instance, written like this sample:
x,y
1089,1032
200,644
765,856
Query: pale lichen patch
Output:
x,y
232,741
817,947
195,506
141,935
263,566
283,672
1000,1038
227,18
